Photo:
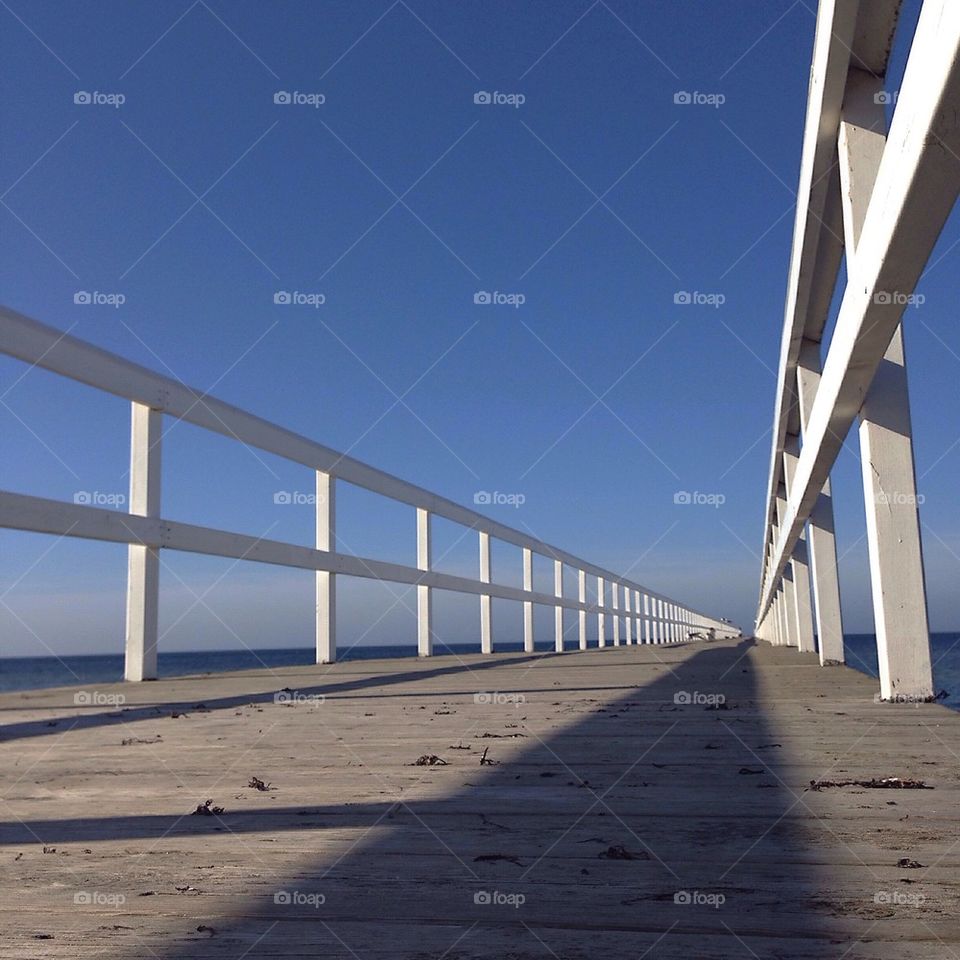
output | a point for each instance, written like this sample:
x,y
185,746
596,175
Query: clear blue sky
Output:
x,y
598,198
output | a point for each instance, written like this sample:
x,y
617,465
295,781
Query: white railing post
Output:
x,y
558,610
822,541
789,597
781,622
326,539
424,592
886,435
486,601
615,603
637,621
528,604
803,612
893,533
647,632
627,619
601,603
143,562
582,597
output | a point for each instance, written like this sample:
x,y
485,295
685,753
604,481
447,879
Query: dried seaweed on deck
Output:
x,y
429,760
619,852
877,783
495,857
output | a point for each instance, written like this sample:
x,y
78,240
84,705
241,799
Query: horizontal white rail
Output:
x,y
146,532
51,349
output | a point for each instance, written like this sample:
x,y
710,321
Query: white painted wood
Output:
x,y
615,616
326,594
627,619
601,603
886,444
424,591
637,620
582,596
143,562
802,612
558,609
822,541
893,533
22,512
917,184
833,45
647,623
528,604
486,601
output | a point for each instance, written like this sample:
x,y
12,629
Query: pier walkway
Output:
x,y
635,801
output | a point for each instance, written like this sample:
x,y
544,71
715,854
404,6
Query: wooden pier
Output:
x,y
626,802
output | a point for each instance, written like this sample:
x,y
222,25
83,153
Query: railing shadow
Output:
x,y
88,719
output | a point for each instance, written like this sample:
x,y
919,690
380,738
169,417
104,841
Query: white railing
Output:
x,y
879,199
645,613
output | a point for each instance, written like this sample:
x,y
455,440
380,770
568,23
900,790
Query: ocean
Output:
x,y
30,673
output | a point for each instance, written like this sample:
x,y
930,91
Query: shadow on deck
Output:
x,y
627,826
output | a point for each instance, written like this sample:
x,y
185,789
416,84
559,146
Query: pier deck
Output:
x,y
604,806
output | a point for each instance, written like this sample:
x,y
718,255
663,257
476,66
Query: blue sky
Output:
x,y
398,198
